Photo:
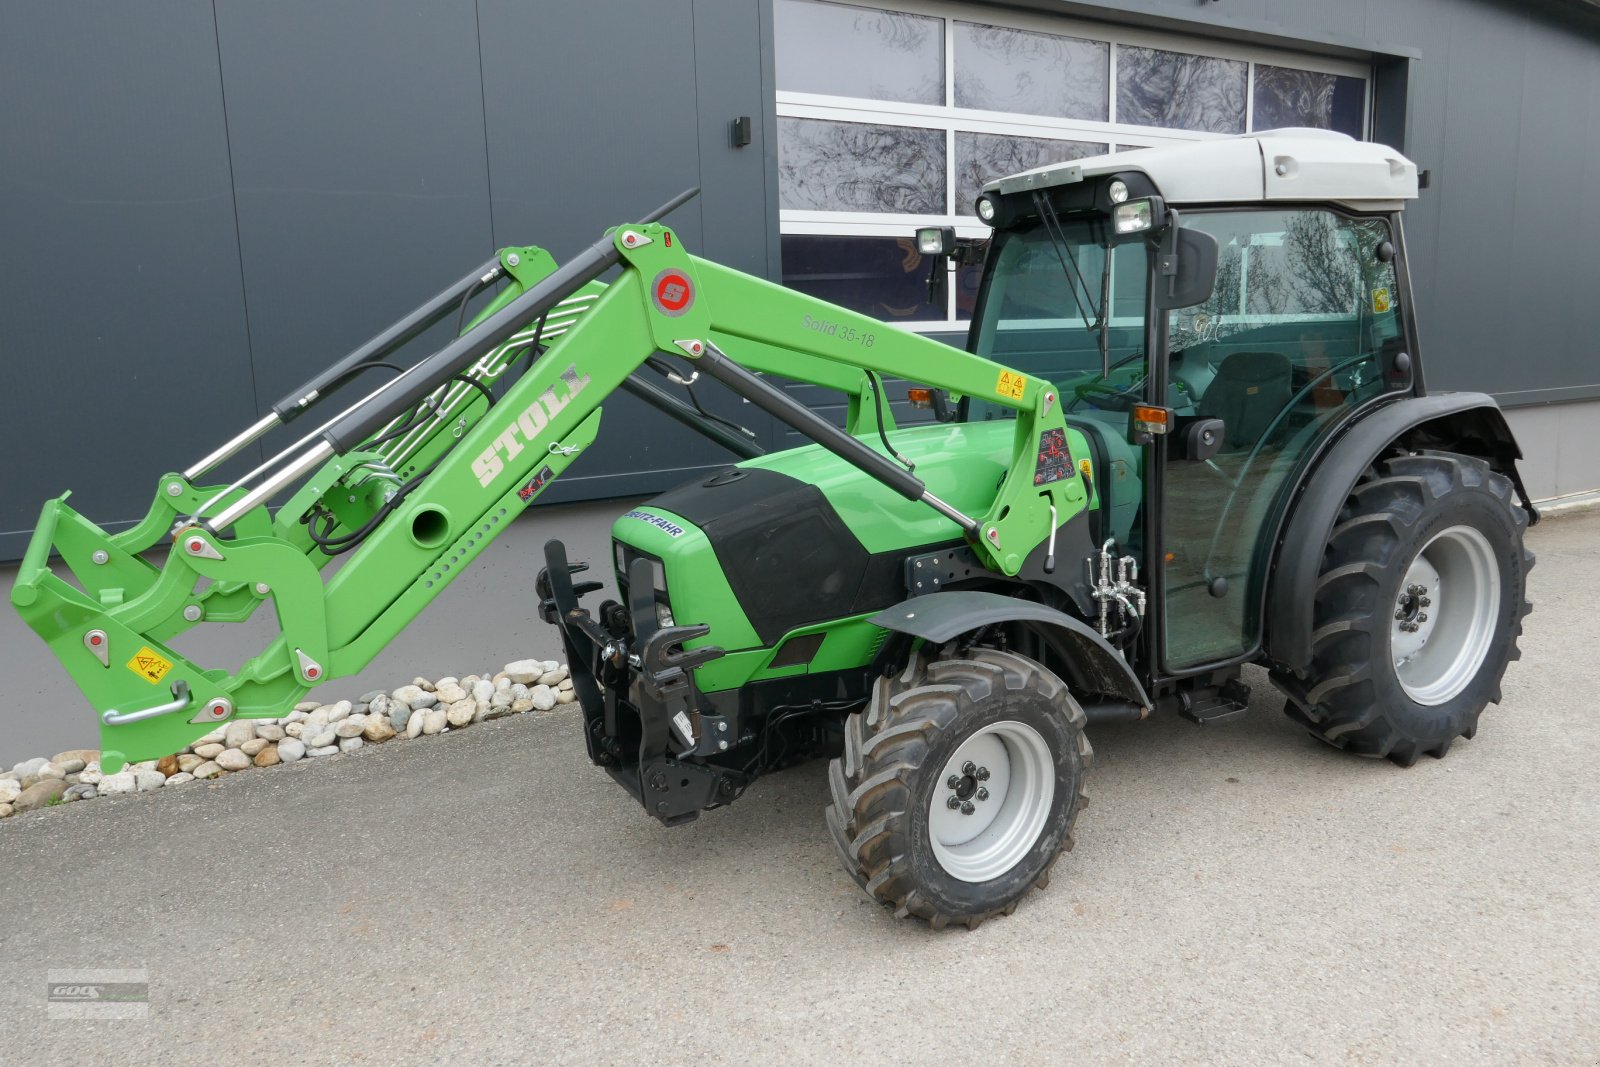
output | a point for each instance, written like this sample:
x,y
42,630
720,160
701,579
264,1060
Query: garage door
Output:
x,y
890,118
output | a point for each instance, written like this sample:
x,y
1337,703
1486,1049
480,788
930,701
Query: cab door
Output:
x,y
1302,329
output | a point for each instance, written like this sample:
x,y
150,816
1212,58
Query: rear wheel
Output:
x,y
1417,609
959,786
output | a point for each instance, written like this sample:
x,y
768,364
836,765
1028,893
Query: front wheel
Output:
x,y
1417,610
959,786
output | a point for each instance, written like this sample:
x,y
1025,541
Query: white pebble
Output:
x,y
525,670
322,750
543,697
415,723
121,782
233,760
460,713
415,696
181,778
350,744
237,733
291,749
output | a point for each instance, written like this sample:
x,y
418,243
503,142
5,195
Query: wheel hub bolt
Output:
x,y
954,781
1399,613
1422,618
1424,601
982,774
967,808
952,802
969,768
982,794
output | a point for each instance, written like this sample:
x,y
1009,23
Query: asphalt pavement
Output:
x,y
1239,894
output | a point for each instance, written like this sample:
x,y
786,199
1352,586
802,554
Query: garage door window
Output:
x,y
894,118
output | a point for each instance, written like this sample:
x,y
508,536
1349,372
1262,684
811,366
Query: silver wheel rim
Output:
x,y
1445,614
1002,785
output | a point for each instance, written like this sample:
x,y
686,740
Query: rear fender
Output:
x,y
1091,664
1466,423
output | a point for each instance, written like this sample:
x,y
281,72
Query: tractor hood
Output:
x,y
801,536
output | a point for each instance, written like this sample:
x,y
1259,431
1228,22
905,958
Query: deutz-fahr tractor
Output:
x,y
1190,432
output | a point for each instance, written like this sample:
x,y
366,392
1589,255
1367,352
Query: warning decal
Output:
x,y
672,292
1011,384
1380,300
1055,462
149,665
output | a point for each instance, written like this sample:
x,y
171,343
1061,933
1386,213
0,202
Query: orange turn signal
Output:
x,y
1152,417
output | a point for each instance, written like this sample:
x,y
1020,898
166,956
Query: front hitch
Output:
x,y
645,721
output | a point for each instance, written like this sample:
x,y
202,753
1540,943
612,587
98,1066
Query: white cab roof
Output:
x,y
1289,164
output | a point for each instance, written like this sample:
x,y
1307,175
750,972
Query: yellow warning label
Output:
x,y
149,665
1380,300
1086,467
1011,384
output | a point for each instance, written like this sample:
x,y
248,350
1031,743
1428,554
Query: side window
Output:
x,y
1303,326
1306,299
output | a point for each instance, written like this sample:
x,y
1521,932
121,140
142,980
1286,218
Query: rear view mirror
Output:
x,y
1188,265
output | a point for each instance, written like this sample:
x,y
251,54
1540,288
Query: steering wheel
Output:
x,y
1108,397
1104,396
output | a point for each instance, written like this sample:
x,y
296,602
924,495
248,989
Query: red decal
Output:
x,y
673,292
667,237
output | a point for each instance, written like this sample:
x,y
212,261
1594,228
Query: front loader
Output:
x,y
1190,433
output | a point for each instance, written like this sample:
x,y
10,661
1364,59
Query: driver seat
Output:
x,y
1249,391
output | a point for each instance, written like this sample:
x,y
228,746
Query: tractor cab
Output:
x,y
1171,302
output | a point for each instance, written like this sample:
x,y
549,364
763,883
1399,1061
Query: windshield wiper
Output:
x,y
1069,262
1075,278
1104,321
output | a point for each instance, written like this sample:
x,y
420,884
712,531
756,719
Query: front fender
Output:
x,y
1092,665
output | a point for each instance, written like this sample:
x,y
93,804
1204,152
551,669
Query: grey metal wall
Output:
x,y
200,202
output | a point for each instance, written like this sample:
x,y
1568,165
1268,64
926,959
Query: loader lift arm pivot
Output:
x,y
425,512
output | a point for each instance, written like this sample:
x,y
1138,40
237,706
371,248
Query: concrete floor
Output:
x,y
1239,894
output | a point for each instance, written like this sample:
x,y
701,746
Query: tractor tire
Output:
x,y
1417,609
959,786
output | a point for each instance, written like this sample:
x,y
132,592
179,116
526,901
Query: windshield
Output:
x,y
1031,322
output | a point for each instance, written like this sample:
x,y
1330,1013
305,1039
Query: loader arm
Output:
x,y
414,508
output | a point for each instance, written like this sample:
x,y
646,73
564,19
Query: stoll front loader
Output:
x,y
1191,433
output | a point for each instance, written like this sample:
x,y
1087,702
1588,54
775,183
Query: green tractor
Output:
x,y
1191,432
